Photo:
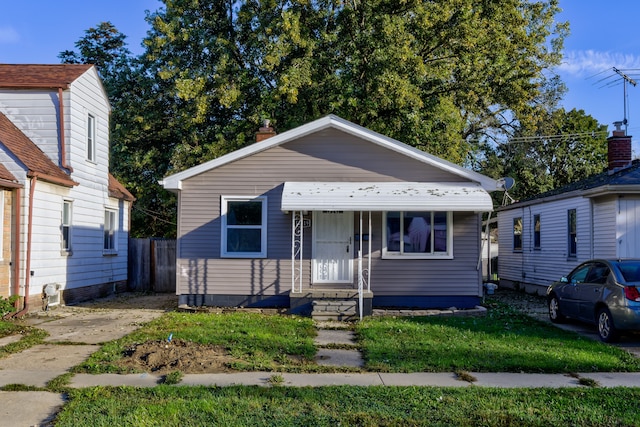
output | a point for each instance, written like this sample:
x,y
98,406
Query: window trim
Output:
x,y
572,233
69,226
224,203
537,232
386,254
91,137
113,228
517,237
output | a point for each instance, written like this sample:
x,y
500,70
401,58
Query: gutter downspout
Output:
x,y
16,238
27,275
63,150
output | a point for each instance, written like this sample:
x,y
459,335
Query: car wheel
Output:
x,y
606,328
554,310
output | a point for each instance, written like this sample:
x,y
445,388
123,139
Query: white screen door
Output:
x,y
332,247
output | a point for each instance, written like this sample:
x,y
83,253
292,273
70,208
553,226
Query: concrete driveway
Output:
x,y
75,332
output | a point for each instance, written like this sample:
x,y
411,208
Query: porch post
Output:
x,y
300,249
360,272
293,251
369,257
297,236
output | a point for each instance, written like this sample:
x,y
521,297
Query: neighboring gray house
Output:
x,y
544,238
328,209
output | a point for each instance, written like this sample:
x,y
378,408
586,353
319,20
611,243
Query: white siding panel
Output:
x,y
628,228
604,230
545,265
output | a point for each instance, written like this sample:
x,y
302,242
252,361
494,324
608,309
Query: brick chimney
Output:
x,y
266,131
618,149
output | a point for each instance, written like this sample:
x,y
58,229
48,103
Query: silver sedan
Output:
x,y
602,292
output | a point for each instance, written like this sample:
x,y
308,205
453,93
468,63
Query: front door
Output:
x,y
332,247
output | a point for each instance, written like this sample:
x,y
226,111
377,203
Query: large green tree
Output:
x,y
139,157
559,148
438,75
431,74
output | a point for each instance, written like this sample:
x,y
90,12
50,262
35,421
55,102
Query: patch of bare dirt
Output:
x,y
163,357
135,301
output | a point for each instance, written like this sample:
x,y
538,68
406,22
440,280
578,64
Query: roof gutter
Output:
x,y
607,189
16,239
52,179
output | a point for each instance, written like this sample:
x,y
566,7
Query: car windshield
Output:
x,y
630,271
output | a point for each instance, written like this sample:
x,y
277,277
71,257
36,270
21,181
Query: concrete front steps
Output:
x,y
330,310
326,305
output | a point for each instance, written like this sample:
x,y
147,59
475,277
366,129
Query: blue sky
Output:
x,y
602,37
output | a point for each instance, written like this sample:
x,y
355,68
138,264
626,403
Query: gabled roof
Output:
x,y
625,180
6,178
21,76
118,191
174,182
30,155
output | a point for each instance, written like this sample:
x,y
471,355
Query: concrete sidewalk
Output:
x,y
423,379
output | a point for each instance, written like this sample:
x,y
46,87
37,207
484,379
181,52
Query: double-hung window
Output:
x,y
572,235
418,234
110,231
244,227
536,231
91,138
517,234
66,225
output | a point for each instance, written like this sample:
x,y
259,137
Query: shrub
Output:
x,y
7,305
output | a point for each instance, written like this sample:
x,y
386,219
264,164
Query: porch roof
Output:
x,y
386,196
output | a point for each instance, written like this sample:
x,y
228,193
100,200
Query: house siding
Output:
x,y
627,228
535,269
328,155
605,213
86,270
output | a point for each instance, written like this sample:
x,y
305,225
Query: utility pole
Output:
x,y
626,80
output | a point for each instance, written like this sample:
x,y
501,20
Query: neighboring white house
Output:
x,y
544,238
68,218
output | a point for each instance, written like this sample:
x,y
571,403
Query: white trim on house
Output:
x,y
385,196
174,182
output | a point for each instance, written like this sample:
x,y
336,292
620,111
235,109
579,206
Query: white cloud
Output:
x,y
587,63
8,35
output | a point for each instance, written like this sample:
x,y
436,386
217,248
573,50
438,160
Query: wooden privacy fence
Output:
x,y
152,265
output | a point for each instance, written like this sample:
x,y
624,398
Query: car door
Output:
x,y
590,291
569,295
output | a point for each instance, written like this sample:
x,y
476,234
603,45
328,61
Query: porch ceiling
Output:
x,y
386,196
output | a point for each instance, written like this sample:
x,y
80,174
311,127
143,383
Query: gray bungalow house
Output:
x,y
544,238
329,210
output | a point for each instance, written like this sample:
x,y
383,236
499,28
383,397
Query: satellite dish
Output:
x,y
506,183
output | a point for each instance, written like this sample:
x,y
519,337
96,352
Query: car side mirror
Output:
x,y
564,279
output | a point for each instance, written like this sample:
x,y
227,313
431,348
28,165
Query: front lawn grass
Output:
x,y
349,406
258,342
502,341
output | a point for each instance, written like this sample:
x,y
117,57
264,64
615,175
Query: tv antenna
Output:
x,y
626,79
